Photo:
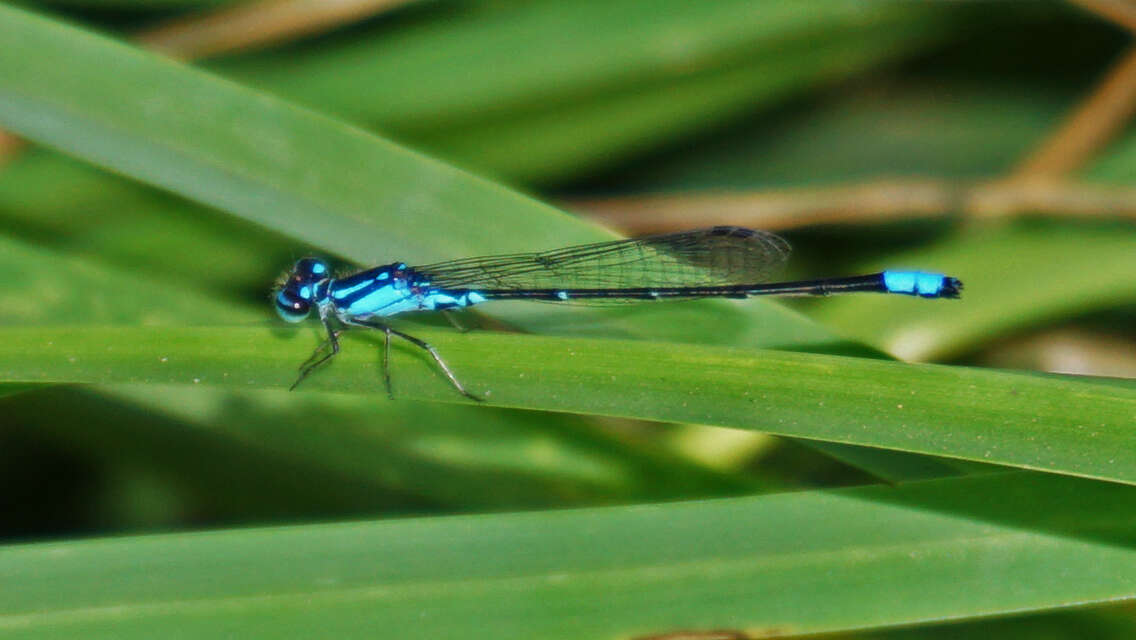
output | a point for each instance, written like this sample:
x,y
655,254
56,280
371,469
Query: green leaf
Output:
x,y
450,454
1117,164
484,64
885,127
604,130
598,81
274,455
794,563
48,288
112,222
1110,622
1053,423
13,388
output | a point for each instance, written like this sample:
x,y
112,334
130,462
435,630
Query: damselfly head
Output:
x,y
298,289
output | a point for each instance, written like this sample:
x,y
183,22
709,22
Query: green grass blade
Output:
x,y
1102,623
13,388
49,288
604,130
72,207
273,456
775,565
1053,423
451,454
477,64
893,126
1116,164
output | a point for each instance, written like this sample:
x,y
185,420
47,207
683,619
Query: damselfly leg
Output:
x,y
421,344
316,359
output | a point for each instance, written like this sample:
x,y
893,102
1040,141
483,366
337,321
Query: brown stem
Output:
x,y
870,202
256,24
1090,126
1122,12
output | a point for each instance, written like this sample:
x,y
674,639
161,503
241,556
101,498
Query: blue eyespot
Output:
x,y
291,307
310,269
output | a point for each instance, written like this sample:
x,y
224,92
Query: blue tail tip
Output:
x,y
922,284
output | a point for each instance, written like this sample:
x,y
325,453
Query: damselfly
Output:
x,y
723,262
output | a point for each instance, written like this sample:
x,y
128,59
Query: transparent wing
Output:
x,y
703,257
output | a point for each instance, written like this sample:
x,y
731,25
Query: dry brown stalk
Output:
x,y
1122,12
10,146
870,202
1067,350
1088,128
256,24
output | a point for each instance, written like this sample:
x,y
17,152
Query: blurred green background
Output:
x,y
869,134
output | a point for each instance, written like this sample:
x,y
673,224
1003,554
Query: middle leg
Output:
x,y
422,344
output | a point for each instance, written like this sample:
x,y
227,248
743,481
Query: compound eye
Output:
x,y
291,307
311,269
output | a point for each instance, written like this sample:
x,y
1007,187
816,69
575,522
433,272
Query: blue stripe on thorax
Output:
x,y
389,300
380,292
376,299
347,291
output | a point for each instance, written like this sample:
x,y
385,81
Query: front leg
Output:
x,y
316,360
319,351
